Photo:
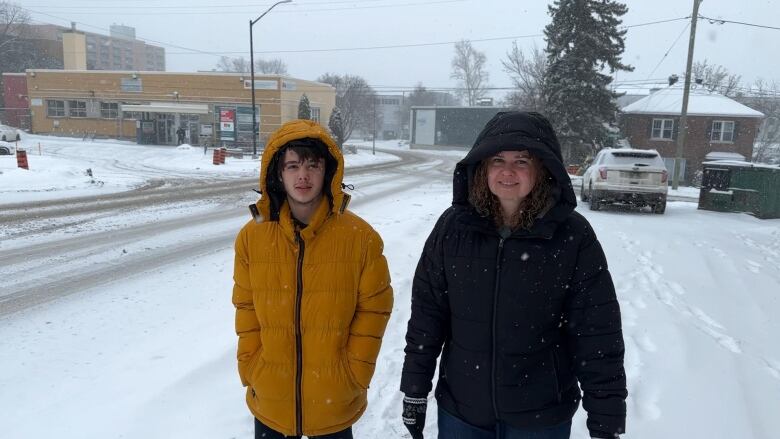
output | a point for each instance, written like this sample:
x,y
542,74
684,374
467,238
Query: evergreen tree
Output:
x,y
336,125
304,108
584,46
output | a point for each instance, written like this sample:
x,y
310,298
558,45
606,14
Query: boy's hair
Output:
x,y
307,149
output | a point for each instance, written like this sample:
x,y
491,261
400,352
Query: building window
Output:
x,y
315,114
662,129
109,110
77,108
55,108
722,131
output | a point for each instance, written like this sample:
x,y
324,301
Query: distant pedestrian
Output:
x,y
514,286
312,293
180,133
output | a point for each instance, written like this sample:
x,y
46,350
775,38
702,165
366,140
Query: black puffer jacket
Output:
x,y
523,319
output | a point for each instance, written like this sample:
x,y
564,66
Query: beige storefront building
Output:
x,y
212,108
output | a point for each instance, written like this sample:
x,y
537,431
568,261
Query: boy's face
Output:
x,y
303,181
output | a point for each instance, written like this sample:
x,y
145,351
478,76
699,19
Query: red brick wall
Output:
x,y
16,105
636,128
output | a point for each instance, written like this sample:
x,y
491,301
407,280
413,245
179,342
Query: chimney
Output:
x,y
74,49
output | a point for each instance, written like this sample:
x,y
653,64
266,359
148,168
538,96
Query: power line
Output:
x,y
188,7
658,22
108,30
394,46
190,51
188,11
670,49
721,21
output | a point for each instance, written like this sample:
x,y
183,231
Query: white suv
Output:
x,y
632,176
9,134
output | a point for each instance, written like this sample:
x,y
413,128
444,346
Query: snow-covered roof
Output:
x,y
723,155
742,164
668,101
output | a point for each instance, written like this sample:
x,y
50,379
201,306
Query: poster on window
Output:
x,y
227,124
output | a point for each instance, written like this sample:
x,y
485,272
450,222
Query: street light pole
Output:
x,y
252,70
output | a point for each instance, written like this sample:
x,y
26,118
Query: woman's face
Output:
x,y
511,177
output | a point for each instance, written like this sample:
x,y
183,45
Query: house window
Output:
x,y
109,110
77,108
722,131
315,114
662,129
55,108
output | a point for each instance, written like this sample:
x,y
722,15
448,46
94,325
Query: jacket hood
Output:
x,y
272,196
517,131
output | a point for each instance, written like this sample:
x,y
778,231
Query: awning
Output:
x,y
170,107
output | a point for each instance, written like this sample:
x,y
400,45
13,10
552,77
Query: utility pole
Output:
x,y
683,129
373,128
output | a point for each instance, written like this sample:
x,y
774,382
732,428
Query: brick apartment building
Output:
x,y
716,124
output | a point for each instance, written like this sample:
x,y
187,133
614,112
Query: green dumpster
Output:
x,y
729,186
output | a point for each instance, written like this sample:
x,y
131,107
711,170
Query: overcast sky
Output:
x,y
223,28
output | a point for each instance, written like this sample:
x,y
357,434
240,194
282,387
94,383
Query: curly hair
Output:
x,y
488,204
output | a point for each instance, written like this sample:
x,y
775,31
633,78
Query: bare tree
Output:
x,y
766,99
274,66
422,97
13,27
527,73
355,100
715,77
468,67
18,48
228,64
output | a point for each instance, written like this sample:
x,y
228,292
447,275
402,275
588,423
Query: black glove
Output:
x,y
414,414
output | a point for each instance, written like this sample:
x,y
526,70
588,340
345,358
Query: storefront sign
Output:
x,y
262,84
206,129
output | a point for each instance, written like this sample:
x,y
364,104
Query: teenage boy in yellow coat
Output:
x,y
312,293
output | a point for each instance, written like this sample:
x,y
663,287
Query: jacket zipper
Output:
x,y
555,371
495,307
298,343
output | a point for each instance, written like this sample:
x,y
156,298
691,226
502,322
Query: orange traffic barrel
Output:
x,y
21,159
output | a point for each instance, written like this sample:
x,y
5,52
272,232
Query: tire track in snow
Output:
x,y
51,286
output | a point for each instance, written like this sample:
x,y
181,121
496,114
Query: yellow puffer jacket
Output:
x,y
310,310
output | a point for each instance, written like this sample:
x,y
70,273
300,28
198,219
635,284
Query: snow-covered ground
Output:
x,y
152,355
58,166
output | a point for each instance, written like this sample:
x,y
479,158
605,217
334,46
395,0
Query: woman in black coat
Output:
x,y
513,284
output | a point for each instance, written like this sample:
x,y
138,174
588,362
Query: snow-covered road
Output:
x,y
150,354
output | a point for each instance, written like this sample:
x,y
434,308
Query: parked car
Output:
x,y
7,149
9,134
630,176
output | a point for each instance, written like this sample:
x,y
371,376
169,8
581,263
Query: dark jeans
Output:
x,y
264,432
452,427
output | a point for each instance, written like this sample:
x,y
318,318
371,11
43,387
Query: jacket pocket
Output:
x,y
348,370
254,365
